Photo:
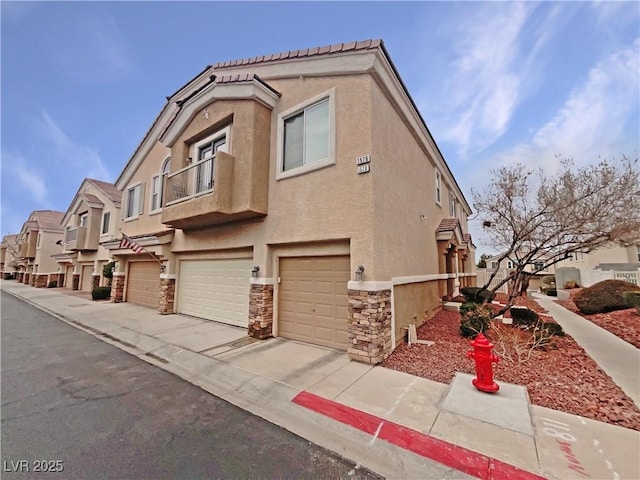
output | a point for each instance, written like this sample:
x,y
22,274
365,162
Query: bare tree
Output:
x,y
537,221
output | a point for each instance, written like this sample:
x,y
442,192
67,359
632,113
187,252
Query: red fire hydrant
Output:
x,y
484,359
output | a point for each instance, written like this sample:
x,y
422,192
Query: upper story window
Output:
x,y
157,185
82,220
306,137
452,204
134,198
203,154
106,220
438,188
38,240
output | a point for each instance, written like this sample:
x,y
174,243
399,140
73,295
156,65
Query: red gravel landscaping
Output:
x,y
562,376
624,324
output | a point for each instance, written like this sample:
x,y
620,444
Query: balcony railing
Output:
x,y
71,235
190,182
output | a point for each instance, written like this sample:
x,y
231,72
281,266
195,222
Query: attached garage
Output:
x,y
143,284
313,300
216,290
68,276
87,278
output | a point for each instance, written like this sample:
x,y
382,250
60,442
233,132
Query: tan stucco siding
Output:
x,y
48,247
406,214
414,303
144,223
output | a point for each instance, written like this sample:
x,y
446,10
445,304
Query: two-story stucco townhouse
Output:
x,y
8,252
298,195
39,239
92,217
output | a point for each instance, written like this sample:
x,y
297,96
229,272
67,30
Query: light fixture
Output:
x,y
359,272
254,271
163,268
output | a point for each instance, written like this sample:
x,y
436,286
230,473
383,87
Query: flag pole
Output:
x,y
129,239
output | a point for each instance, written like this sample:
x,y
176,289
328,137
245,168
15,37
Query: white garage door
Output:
x,y
216,290
313,300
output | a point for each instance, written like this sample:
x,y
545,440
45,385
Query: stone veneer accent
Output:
x,y
41,280
369,325
117,288
20,276
167,295
75,281
32,279
25,278
261,311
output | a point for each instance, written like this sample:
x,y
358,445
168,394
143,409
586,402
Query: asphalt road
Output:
x,y
73,403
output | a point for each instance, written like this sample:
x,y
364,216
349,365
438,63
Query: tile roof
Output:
x,y
303,53
109,189
466,237
49,219
448,225
91,198
10,238
244,77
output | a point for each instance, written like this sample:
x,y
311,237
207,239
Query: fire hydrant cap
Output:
x,y
481,341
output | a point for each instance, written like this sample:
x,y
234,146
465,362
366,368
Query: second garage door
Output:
x,y
87,278
216,290
143,284
313,301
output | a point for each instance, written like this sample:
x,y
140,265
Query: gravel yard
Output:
x,y
562,376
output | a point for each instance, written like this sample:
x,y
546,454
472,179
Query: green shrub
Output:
x,y
465,307
632,299
476,319
553,328
52,284
571,284
101,293
549,280
551,292
523,316
477,295
605,296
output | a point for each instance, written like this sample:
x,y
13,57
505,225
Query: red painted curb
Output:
x,y
446,453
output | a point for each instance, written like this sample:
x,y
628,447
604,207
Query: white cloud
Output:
x,y
595,119
31,179
85,160
498,57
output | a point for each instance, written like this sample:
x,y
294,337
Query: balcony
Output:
x,y
218,190
79,239
28,247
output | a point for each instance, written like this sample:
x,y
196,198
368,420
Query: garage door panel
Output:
x,y
86,278
143,284
216,290
313,303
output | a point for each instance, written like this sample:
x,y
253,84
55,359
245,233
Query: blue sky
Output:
x,y
496,82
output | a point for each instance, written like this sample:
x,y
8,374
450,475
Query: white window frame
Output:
x,y
139,207
317,165
38,240
452,204
638,252
159,178
83,218
102,232
438,181
225,132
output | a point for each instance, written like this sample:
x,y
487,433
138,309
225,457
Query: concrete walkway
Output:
x,y
619,359
395,424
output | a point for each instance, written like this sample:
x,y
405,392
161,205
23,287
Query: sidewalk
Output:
x,y
619,359
395,424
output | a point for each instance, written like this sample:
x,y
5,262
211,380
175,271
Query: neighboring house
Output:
x,y
8,251
38,240
504,268
618,260
92,217
298,195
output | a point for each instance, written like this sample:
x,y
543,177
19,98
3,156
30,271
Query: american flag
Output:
x,y
127,242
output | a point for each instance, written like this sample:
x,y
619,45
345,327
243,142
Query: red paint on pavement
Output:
x,y
446,453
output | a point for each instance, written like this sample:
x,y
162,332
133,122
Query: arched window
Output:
x,y
157,184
